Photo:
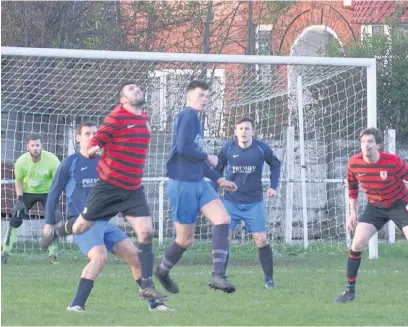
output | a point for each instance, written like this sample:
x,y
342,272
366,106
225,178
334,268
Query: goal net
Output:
x,y
309,110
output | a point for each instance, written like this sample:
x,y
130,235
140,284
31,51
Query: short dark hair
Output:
x,y
378,137
85,124
197,84
123,86
33,137
245,119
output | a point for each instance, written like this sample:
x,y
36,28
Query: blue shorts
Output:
x,y
100,233
187,198
252,214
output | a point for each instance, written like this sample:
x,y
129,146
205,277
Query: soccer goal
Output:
x,y
309,109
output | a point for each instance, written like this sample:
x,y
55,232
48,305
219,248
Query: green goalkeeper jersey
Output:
x,y
36,177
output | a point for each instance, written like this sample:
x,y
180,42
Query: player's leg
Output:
x,y
10,237
91,244
363,233
184,206
103,203
76,225
53,246
229,242
61,228
372,220
405,231
16,221
399,215
144,231
212,208
137,214
143,227
265,258
235,219
53,253
254,216
73,225
124,248
173,254
81,225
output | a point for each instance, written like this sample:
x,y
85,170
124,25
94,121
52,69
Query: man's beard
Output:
x,y
35,155
139,103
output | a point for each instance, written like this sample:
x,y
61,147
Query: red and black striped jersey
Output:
x,y
125,138
382,182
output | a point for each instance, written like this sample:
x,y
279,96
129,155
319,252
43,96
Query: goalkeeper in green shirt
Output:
x,y
34,172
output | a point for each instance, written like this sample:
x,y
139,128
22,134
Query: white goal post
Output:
x,y
310,111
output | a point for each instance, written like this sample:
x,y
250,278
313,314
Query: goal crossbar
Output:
x,y
191,57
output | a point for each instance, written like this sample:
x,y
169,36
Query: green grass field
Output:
x,y
36,293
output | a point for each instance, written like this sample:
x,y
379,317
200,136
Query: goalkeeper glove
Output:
x,y
19,208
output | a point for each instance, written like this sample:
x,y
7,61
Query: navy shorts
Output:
x,y
100,233
187,198
252,214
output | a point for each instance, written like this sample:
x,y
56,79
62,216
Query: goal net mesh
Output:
x,y
52,95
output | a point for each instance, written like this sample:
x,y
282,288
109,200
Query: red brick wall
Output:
x,y
304,14
288,27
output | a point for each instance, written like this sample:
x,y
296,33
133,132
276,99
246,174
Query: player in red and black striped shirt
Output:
x,y
381,176
124,136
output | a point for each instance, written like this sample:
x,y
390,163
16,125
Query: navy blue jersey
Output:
x,y
244,167
188,162
76,176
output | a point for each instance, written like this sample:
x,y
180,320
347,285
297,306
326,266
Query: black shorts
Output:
x,y
29,199
107,200
378,216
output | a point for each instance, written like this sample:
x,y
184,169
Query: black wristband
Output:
x,y
20,198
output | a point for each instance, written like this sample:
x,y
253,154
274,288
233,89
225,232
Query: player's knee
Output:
x,y
146,236
185,242
78,228
359,244
98,260
261,241
224,218
15,222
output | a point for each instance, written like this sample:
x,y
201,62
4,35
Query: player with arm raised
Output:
x,y
124,136
381,176
77,176
244,158
189,193
33,172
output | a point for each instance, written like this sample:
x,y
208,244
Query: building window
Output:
x,y
374,30
403,28
378,30
347,3
263,43
263,47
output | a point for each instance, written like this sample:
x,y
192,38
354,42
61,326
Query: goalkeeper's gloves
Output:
x,y
19,209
